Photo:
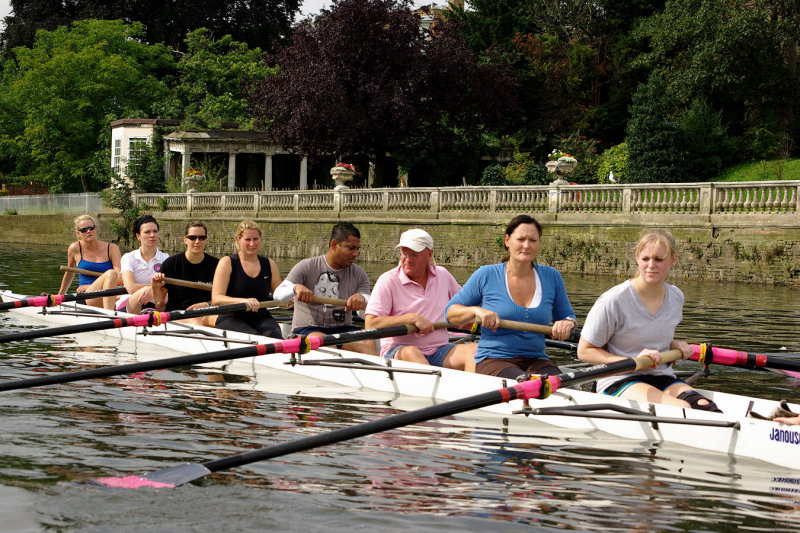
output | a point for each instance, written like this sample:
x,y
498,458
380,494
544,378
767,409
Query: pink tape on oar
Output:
x,y
131,482
726,356
532,389
41,301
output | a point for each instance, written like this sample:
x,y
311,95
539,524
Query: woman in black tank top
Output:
x,y
247,278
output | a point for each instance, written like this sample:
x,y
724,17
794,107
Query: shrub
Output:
x,y
584,150
524,170
493,175
614,159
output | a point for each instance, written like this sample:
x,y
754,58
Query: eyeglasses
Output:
x,y
87,228
197,237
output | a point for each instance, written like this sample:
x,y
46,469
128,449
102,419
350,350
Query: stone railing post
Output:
x,y
385,198
296,198
256,202
435,201
706,198
222,202
553,198
337,202
189,201
627,193
493,200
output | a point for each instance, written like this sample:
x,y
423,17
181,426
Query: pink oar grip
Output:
x,y
532,389
295,345
726,356
131,482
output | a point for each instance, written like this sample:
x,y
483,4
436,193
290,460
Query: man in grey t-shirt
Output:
x,y
333,275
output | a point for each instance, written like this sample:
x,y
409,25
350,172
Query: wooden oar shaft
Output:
x,y
537,388
534,328
171,281
289,346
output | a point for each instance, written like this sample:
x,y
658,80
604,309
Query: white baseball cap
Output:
x,y
416,239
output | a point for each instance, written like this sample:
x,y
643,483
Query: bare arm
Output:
x,y
423,324
72,261
462,314
594,355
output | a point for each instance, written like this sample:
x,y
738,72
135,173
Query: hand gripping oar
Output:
x,y
150,319
539,387
47,300
168,281
574,335
298,344
705,353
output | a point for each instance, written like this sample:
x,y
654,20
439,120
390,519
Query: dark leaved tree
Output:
x,y
364,80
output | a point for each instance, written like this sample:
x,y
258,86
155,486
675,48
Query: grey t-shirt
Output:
x,y
323,280
620,323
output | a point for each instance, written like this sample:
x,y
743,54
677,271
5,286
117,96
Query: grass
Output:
x,y
775,169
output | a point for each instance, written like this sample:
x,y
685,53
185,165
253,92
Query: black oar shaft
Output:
x,y
150,319
183,474
56,299
292,345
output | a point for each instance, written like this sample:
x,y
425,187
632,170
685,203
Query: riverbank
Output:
x,y
751,255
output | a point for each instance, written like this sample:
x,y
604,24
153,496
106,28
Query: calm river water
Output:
x,y
466,473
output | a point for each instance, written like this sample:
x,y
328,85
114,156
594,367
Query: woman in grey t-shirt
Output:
x,y
638,318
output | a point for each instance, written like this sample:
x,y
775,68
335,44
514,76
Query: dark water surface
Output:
x,y
466,473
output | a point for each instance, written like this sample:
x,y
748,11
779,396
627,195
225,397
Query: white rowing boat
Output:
x,y
732,433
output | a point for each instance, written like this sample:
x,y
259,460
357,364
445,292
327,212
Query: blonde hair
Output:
x,y
81,218
245,225
657,236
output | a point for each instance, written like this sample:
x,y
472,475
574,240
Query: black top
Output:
x,y
243,286
178,267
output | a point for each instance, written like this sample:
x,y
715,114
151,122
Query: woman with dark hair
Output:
x,y
192,265
247,277
517,289
139,266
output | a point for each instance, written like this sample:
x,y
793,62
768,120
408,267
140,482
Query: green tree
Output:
x,y
212,77
731,55
63,92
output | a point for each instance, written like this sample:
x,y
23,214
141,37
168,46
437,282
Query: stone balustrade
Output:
x,y
748,203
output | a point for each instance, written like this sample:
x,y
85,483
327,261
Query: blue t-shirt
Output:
x,y
487,288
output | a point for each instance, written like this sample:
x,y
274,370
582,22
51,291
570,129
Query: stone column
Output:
x,y
186,163
268,172
231,171
304,174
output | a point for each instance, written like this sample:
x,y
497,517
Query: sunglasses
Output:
x,y
197,237
87,228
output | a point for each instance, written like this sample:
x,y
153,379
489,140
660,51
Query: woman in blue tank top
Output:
x,y
90,253
246,277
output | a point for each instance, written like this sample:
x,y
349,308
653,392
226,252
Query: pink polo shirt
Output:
x,y
396,294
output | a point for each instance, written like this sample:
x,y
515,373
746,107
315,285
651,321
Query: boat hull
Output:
x,y
748,438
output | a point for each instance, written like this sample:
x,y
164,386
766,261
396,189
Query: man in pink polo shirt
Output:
x,y
416,292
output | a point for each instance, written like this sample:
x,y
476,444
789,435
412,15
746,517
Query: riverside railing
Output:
x,y
673,203
50,204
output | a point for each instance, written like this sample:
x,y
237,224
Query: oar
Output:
x,y
149,319
298,344
205,286
170,281
574,335
541,387
47,300
705,353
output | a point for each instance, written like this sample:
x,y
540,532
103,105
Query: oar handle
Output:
x,y
666,357
533,328
170,281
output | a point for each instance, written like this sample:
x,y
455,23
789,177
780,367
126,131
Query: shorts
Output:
x,y
660,382
512,367
436,358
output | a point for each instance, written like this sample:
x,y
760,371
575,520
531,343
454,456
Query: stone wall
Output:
x,y
755,255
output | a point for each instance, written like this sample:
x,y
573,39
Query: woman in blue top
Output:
x,y
516,289
90,253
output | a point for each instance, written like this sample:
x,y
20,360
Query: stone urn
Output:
x,y
341,176
193,179
561,167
